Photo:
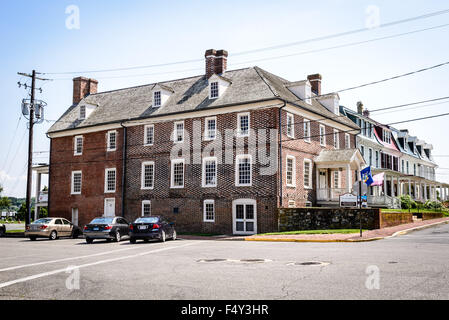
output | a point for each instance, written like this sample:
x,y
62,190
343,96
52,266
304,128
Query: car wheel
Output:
x,y
163,236
118,237
132,240
89,240
146,240
33,238
53,235
174,235
75,235
2,232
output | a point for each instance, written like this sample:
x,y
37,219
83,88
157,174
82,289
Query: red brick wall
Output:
x,y
93,162
189,199
301,150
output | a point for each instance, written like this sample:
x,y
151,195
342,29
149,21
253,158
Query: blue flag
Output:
x,y
366,176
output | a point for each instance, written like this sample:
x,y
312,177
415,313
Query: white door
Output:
x,y
323,193
109,207
75,216
244,212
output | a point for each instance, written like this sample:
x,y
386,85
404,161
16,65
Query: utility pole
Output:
x,y
32,110
30,151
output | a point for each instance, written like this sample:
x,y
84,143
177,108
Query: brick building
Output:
x,y
216,153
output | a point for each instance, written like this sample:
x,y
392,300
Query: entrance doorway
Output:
x,y
244,212
109,207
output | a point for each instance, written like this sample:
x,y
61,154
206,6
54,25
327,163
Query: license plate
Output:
x,y
142,227
96,229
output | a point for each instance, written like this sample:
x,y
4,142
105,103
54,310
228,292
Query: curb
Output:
x,y
398,233
402,232
310,240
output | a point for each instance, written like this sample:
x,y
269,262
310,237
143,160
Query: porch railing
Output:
x,y
330,194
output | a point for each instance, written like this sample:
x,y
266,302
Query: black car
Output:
x,y
155,227
2,230
109,228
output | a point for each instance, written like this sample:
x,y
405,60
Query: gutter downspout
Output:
x,y
125,149
280,153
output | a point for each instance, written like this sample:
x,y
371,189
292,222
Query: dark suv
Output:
x,y
109,228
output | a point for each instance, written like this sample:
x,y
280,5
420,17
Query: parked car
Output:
x,y
156,227
109,228
2,230
52,228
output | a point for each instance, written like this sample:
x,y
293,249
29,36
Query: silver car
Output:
x,y
52,228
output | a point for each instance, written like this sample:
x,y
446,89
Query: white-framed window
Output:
x,y
213,93
290,125
291,171
377,159
362,151
146,208
306,130
336,139
408,167
147,175
370,157
336,179
78,145
111,140
307,173
347,141
210,128
76,182
148,136
322,135
243,123
291,203
210,172
82,114
110,178
157,100
177,173
209,211
243,170
386,136
178,132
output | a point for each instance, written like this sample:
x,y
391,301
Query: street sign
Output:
x,y
348,200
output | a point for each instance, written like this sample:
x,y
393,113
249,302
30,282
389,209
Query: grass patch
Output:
x,y
411,210
15,231
329,231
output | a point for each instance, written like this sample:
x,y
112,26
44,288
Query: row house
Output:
x,y
406,161
216,153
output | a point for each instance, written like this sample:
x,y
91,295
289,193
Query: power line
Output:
x,y
336,35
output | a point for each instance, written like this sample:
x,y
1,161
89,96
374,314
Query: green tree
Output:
x,y
5,203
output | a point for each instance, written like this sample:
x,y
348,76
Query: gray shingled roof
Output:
x,y
332,156
190,94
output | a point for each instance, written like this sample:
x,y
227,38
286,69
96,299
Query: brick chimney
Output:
x,y
360,107
315,81
82,87
216,62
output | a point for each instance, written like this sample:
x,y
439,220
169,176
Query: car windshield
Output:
x,y
147,220
42,221
102,221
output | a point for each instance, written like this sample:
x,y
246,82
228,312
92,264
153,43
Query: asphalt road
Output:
x,y
413,266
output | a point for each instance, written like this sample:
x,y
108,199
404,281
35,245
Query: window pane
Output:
x,y
244,124
148,175
239,211
289,171
110,176
239,226
250,226
149,135
214,90
112,140
249,211
244,171
209,207
210,169
178,174
157,98
211,129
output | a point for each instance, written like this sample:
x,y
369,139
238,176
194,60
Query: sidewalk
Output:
x,y
353,237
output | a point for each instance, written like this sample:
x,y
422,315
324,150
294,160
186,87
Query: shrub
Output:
x,y
434,205
407,202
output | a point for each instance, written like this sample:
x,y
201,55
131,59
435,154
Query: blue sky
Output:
x,y
115,34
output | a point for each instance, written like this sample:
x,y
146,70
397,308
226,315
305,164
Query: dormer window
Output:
x,y
82,112
386,136
157,99
214,90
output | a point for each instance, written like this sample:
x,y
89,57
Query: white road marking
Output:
x,y
68,259
49,273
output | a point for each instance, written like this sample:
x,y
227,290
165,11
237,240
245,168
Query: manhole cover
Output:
x,y
253,260
309,263
212,260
